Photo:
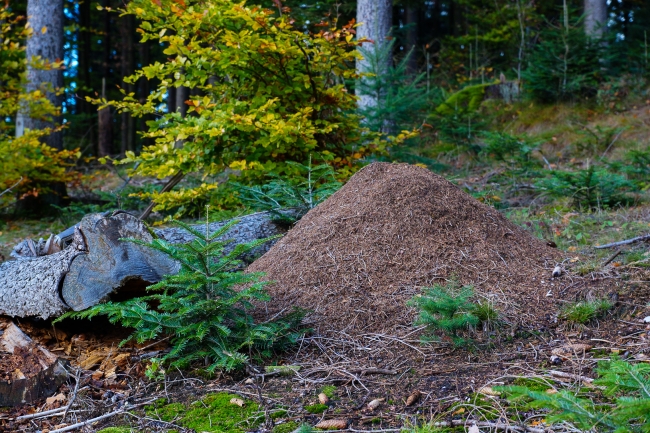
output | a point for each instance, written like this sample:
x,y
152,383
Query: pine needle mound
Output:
x,y
357,258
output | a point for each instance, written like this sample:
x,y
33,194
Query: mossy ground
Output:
x,y
212,413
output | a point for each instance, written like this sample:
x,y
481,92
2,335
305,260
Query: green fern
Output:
x,y
204,309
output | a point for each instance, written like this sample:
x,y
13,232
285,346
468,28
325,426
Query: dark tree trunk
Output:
x,y
105,120
412,38
126,32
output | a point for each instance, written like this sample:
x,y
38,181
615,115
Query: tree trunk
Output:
x,y
595,18
97,263
45,17
375,18
412,38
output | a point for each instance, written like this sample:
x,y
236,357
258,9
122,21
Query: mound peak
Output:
x,y
357,258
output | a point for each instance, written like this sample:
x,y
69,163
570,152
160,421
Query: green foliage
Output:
x,y
204,309
300,191
447,310
286,427
25,163
585,311
516,151
401,99
591,188
329,390
626,384
263,93
565,64
457,118
316,408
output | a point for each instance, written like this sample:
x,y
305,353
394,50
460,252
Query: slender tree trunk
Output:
x,y
595,18
84,54
375,18
126,31
105,120
143,87
412,37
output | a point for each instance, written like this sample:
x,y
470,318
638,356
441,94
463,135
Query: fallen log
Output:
x,y
95,263
29,371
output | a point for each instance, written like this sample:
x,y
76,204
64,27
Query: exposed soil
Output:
x,y
357,258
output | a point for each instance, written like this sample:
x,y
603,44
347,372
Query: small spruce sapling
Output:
x,y
446,310
204,308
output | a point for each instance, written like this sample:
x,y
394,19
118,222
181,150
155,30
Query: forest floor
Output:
x,y
429,387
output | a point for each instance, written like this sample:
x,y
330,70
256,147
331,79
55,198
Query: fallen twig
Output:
x,y
77,378
493,425
364,371
124,409
625,242
11,187
556,373
40,414
612,257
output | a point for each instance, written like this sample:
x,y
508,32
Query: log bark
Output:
x,y
95,264
46,372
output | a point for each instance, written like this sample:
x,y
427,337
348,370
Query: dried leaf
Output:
x,y
570,350
486,390
55,399
324,399
238,401
375,403
414,397
332,424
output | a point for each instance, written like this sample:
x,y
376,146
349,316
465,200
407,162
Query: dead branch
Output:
x,y
11,187
625,242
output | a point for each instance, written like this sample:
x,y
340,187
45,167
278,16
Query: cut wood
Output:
x,y
95,262
35,372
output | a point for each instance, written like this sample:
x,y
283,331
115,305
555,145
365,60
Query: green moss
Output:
x,y
280,413
329,390
213,413
117,430
286,427
466,99
316,408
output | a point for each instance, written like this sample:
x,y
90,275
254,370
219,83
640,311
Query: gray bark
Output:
x,y
45,17
30,286
97,263
375,18
595,18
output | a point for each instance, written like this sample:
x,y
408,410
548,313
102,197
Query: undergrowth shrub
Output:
x,y
592,188
516,151
583,312
565,64
304,189
624,407
205,308
448,310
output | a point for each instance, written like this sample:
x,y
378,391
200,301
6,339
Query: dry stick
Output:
x,y
11,187
40,414
562,374
494,425
99,418
77,378
168,186
608,261
625,242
